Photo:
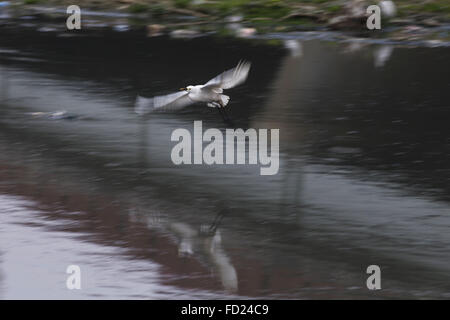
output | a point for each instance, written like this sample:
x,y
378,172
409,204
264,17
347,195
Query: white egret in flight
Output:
x,y
210,93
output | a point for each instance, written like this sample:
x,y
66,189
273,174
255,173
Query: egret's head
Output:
x,y
188,88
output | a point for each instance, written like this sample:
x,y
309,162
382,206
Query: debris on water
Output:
x,y
234,26
47,29
184,34
234,19
96,25
434,43
344,150
246,32
60,115
154,30
113,164
57,115
37,114
27,18
121,27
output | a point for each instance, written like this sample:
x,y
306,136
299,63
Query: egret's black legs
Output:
x,y
216,223
221,114
225,117
225,113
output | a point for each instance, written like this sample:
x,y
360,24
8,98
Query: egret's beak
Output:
x,y
182,89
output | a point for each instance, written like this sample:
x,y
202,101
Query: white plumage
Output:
x,y
210,93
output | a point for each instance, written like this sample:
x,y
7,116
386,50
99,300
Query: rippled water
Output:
x,y
364,171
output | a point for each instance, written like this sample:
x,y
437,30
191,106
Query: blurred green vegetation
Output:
x,y
138,8
423,6
251,9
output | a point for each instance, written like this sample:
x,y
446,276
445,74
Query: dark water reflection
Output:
x,y
364,171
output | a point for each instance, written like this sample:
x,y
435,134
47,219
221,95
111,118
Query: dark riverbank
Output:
x,y
413,22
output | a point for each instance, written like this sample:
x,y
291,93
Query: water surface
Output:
x,y
364,171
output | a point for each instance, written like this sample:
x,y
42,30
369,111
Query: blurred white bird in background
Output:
x,y
210,93
388,8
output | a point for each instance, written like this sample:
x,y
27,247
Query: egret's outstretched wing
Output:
x,y
173,101
230,78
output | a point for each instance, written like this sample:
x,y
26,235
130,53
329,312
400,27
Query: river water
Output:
x,y
364,174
